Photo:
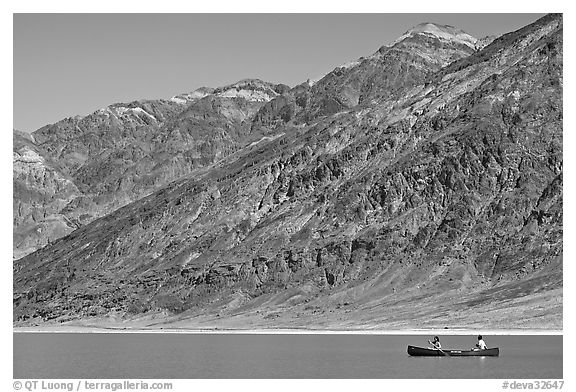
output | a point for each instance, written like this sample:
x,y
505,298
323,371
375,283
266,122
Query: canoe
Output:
x,y
428,352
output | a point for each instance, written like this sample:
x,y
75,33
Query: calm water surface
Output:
x,y
142,355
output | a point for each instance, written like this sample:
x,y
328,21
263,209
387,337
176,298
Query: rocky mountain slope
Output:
x,y
436,201
42,191
385,74
123,152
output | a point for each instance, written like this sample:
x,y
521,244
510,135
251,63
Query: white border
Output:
x,y
358,6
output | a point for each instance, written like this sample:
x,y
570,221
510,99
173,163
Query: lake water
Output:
x,y
187,356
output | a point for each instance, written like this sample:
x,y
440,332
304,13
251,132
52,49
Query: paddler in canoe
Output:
x,y
435,343
481,345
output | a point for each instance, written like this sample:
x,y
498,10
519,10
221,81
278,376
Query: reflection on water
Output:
x,y
141,355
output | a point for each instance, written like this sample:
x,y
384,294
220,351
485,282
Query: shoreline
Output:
x,y
286,331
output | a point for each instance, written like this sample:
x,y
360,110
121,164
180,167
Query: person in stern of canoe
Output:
x,y
481,345
436,343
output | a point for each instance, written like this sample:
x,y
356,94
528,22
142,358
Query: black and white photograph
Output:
x,y
202,196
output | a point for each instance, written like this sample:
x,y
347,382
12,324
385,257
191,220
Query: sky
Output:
x,y
74,64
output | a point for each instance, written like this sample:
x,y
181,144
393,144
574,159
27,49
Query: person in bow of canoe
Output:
x,y
481,345
436,343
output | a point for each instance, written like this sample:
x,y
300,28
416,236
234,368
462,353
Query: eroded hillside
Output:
x,y
439,205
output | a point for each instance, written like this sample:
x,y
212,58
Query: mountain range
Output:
x,y
419,186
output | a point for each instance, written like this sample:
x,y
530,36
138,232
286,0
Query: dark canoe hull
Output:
x,y
427,352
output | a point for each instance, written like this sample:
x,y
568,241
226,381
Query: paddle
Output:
x,y
439,349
